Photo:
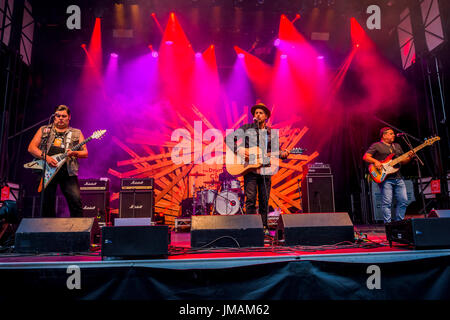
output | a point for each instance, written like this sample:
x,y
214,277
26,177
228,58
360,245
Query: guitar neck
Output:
x,y
78,146
405,155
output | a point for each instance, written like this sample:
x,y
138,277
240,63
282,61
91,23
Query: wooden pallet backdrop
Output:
x,y
173,182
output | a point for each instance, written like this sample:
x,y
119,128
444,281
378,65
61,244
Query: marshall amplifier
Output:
x,y
136,204
95,198
94,184
136,184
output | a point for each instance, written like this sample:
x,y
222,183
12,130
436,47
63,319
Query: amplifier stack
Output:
x,y
95,198
137,198
317,188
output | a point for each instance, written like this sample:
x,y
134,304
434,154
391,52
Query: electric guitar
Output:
x,y
50,172
379,175
236,165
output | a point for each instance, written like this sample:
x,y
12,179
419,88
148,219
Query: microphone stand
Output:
x,y
419,172
44,142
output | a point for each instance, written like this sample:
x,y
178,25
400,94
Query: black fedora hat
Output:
x,y
261,106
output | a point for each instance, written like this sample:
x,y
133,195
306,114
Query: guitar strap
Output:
x,y
68,140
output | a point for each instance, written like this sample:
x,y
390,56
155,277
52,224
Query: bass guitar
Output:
x,y
388,165
61,158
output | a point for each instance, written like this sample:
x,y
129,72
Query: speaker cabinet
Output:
x,y
439,213
315,229
95,204
420,233
318,193
40,235
135,241
227,231
136,204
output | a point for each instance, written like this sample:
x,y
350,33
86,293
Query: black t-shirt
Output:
x,y
381,151
58,144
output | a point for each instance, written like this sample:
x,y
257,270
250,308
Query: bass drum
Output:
x,y
227,203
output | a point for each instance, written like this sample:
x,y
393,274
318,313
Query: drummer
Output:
x,y
225,178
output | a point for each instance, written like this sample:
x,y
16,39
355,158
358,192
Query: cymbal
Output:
x,y
197,174
212,182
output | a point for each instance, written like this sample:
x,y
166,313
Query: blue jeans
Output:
x,y
391,188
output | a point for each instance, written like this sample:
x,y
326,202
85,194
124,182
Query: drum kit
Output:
x,y
209,200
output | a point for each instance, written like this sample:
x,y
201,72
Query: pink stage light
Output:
x,y
198,55
155,54
114,55
276,43
283,56
241,56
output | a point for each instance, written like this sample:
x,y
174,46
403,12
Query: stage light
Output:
x,y
198,55
114,55
283,56
241,56
320,57
172,16
83,45
276,43
169,42
155,54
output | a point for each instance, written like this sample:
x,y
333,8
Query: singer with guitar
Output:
x,y
256,182
60,138
392,185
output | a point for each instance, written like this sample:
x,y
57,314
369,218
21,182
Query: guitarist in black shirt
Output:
x,y
257,184
393,186
60,137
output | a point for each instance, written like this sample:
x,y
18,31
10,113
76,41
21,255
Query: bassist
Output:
x,y
60,137
393,186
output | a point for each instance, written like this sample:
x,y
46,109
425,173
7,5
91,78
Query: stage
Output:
x,y
368,269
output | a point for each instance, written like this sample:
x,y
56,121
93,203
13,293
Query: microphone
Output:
x,y
255,120
400,134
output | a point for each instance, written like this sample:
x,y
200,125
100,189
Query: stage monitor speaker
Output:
x,y
314,229
439,213
40,235
136,204
95,204
318,193
135,241
227,231
421,233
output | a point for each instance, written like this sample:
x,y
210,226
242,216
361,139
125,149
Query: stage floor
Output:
x,y
347,271
370,246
